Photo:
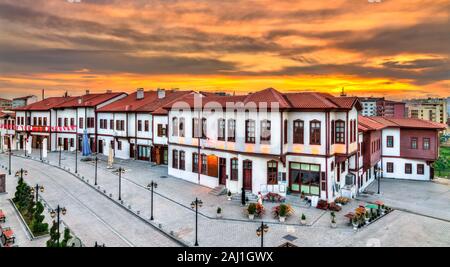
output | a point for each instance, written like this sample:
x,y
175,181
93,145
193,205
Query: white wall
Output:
x,y
399,169
391,151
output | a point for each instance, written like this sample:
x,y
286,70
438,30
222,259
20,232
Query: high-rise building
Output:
x,y
373,106
431,109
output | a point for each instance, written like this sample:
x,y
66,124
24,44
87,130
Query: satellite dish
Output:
x,y
74,242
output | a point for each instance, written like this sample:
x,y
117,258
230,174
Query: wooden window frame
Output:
x,y
250,132
315,132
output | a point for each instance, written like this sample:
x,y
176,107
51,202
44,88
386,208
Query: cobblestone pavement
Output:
x,y
425,198
172,210
90,215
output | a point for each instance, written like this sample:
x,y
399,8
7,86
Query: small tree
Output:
x,y
67,237
54,236
36,224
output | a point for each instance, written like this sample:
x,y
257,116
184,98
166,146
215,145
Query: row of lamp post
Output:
x,y
197,203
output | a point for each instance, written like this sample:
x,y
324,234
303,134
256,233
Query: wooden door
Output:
x,y
247,165
100,146
66,144
222,171
158,155
132,154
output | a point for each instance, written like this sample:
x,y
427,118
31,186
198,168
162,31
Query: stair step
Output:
x,y
218,190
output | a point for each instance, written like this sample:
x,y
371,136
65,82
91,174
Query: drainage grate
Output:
x,y
290,237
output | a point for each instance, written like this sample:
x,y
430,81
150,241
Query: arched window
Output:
x,y
298,131
174,126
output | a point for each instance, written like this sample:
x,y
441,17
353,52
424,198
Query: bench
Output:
x,y
7,235
2,216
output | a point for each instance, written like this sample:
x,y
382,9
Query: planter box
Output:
x,y
27,228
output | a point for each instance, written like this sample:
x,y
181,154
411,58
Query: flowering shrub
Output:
x,y
322,204
342,200
273,197
282,210
260,210
334,207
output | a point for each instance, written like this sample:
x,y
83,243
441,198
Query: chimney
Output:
x,y
140,93
108,91
161,93
87,92
43,94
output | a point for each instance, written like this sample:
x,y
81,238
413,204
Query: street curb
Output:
x,y
30,234
410,211
167,234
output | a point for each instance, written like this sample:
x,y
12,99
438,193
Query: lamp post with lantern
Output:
x,y
260,232
196,204
36,190
56,213
152,186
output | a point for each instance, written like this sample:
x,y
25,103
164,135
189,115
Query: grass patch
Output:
x,y
442,165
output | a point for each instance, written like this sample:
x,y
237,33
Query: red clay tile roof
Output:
x,y
4,99
149,103
367,124
300,100
90,100
409,123
46,104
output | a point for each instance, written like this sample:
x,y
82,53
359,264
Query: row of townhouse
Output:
x,y
295,142
129,126
266,141
60,122
135,127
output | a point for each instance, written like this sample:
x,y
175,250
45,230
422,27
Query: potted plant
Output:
x,y
303,219
229,195
219,212
355,223
251,209
282,213
333,222
367,217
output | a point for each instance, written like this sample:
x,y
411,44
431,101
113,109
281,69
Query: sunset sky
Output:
x,y
396,48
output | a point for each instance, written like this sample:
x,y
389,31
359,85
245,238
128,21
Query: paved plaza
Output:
x,y
98,216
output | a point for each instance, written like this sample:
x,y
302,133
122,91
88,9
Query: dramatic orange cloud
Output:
x,y
398,49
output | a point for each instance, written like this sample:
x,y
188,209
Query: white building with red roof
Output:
x,y
135,127
7,130
58,121
266,141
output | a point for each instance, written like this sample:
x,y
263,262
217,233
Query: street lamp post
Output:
x,y
76,156
120,170
260,232
10,153
96,165
196,204
152,186
36,190
57,212
378,172
40,150
20,173
60,151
